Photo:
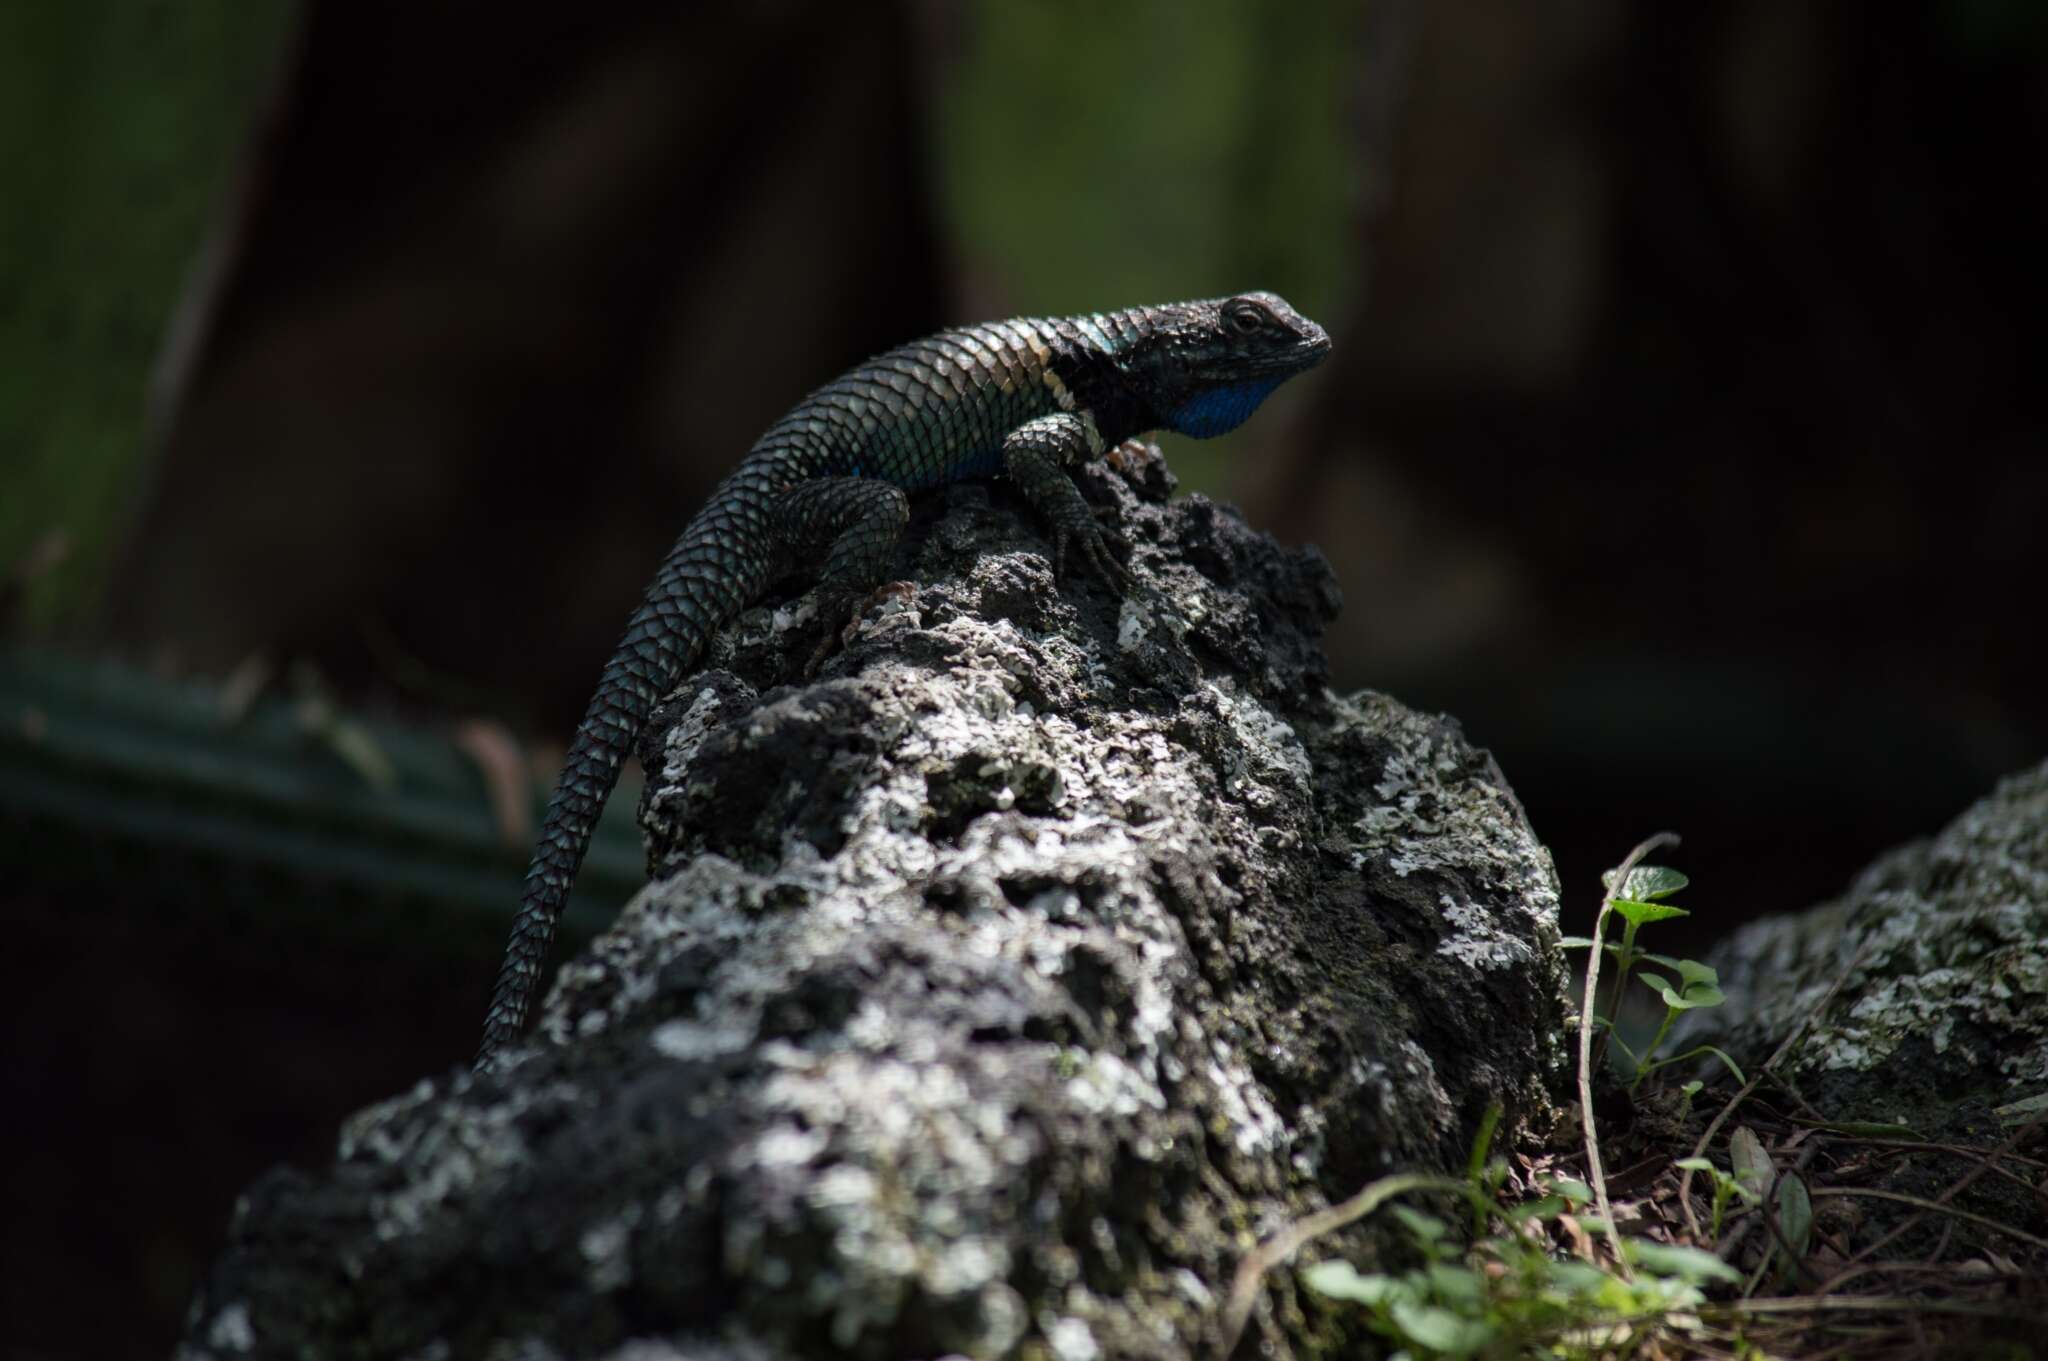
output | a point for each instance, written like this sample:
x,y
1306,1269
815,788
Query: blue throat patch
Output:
x,y
1220,410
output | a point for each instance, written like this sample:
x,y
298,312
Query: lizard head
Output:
x,y
1207,365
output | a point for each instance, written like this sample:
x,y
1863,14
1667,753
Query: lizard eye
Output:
x,y
1245,318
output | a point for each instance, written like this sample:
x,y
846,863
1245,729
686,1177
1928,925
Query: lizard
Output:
x,y
1027,399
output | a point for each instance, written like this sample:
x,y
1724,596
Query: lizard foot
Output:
x,y
1101,547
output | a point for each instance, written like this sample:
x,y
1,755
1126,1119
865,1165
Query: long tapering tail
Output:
x,y
720,563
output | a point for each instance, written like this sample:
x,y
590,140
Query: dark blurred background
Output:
x,y
1684,439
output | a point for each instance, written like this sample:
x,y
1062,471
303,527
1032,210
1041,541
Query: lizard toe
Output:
x,y
1101,546
839,611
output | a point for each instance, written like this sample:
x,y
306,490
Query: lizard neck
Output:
x,y
1086,363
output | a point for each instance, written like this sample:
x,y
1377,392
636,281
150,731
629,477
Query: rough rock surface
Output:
x,y
997,991
1940,949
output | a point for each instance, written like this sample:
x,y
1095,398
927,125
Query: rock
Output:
x,y
1940,951
1920,1004
996,992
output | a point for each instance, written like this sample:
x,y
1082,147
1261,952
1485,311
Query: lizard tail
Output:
x,y
721,562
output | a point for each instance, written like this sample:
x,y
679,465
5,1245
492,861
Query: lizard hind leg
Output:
x,y
856,522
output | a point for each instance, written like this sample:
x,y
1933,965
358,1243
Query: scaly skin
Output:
x,y
1027,398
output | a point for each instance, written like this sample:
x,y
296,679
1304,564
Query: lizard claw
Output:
x,y
840,611
1096,544
820,653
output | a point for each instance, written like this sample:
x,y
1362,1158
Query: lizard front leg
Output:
x,y
1035,456
857,523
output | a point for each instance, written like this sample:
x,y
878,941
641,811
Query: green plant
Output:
x,y
1544,1278
1638,901
1511,1293
1726,1188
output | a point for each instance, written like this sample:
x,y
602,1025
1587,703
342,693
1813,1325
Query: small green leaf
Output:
x,y
1578,1278
1642,913
1647,883
1576,942
1691,972
1577,1192
1455,1285
1426,1227
1654,882
1697,1165
1795,1213
1687,1264
1543,1207
2023,1109
1440,1330
1753,1169
1340,1280
1482,1141
1699,995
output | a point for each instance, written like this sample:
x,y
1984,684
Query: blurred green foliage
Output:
x,y
120,123
1094,156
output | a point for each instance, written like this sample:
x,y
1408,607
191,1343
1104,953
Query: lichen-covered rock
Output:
x,y
997,991
1938,958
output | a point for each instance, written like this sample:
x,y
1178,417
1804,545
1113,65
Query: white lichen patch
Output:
x,y
1429,821
1253,1124
689,1041
1477,941
606,1247
441,1151
907,1160
688,733
1071,1340
1268,750
1108,1086
231,1330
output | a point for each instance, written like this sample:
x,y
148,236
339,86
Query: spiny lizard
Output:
x,y
1026,398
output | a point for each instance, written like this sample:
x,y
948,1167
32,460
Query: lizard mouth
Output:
x,y
1313,349
1308,349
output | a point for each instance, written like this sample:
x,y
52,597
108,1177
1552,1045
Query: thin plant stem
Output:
x,y
1594,1174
